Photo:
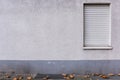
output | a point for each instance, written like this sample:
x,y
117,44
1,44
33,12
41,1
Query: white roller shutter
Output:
x,y
97,25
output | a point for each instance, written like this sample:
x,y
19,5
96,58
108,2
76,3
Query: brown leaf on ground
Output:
x,y
71,76
104,77
15,78
65,75
118,74
29,78
110,74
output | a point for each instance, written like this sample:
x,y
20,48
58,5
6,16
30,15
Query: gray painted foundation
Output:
x,y
63,66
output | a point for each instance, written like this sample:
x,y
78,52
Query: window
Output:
x,y
97,28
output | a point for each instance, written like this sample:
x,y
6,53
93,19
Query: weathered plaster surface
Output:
x,y
51,30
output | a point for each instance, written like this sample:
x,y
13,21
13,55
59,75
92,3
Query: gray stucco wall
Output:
x,y
51,30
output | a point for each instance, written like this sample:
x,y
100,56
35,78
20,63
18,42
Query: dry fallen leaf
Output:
x,y
65,75
45,78
118,74
96,74
110,74
15,78
67,78
20,78
71,76
86,76
105,77
29,78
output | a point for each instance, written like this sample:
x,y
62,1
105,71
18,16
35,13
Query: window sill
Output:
x,y
97,48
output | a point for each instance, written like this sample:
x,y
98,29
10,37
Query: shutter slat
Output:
x,y
97,25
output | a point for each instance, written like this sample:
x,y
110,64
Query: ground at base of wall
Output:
x,y
93,76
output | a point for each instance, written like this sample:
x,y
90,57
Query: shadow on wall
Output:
x,y
58,67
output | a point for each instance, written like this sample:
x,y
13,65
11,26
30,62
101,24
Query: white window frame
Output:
x,y
96,48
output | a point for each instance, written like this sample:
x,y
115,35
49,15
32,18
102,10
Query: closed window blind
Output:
x,y
97,25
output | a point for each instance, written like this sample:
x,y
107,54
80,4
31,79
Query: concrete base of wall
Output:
x,y
62,66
